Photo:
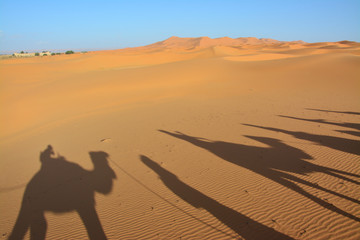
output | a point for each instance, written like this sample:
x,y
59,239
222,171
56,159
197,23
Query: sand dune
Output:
x,y
208,139
204,42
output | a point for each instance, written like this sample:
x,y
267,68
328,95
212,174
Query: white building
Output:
x,y
24,54
43,53
47,53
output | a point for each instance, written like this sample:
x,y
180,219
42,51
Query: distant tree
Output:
x,y
52,54
69,52
13,54
22,52
37,54
58,53
44,54
43,51
83,51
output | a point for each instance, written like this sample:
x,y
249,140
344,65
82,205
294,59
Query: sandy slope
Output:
x,y
223,139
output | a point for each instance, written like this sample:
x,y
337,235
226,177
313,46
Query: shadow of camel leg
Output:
x,y
92,223
38,226
299,180
341,172
336,173
342,177
22,224
287,183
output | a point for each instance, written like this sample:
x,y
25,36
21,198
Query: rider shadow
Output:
x,y
276,163
62,186
241,224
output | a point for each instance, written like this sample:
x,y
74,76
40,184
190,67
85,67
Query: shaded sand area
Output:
x,y
183,139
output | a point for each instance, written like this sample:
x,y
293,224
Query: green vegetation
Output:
x,y
22,52
37,54
69,52
45,54
5,56
52,54
57,53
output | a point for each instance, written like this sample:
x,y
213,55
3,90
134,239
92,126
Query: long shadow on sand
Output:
x,y
275,162
337,143
242,225
354,133
355,126
62,186
331,111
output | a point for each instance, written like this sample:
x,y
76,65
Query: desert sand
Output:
x,y
187,138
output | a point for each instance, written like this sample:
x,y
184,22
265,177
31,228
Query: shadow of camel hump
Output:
x,y
275,162
241,224
62,186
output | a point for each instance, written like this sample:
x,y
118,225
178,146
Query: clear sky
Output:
x,y
109,24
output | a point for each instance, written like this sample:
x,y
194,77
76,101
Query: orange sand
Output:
x,y
208,138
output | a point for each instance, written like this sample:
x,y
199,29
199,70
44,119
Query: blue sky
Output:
x,y
107,24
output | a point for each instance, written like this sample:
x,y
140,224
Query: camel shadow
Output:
x,y
337,143
331,111
241,224
355,126
62,186
354,133
275,162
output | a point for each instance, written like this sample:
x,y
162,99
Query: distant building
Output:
x,y
43,53
24,54
47,53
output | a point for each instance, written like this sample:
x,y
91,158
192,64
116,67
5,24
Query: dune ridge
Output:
x,y
204,42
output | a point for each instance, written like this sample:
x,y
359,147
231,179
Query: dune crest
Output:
x,y
204,42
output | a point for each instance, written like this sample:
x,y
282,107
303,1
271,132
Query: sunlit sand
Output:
x,y
199,138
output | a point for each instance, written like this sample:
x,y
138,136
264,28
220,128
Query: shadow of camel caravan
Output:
x,y
61,186
278,162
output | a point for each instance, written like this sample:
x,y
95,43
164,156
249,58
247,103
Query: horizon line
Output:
x,y
93,49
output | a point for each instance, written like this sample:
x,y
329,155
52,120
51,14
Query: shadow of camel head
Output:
x,y
63,186
103,173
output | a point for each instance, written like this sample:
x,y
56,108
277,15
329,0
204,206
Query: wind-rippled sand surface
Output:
x,y
208,139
